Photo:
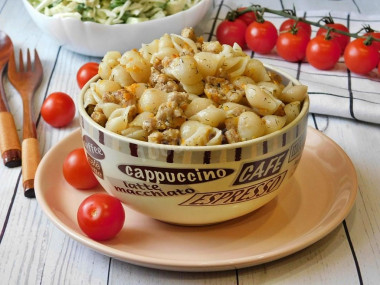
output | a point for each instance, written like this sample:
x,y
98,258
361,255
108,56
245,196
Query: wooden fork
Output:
x,y
10,146
26,82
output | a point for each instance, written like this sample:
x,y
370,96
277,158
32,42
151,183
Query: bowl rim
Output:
x,y
114,26
303,113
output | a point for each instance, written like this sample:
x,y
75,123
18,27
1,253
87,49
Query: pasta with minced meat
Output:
x,y
180,90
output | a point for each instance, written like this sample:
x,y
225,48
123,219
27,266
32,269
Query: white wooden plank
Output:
x,y
364,221
324,262
8,178
124,273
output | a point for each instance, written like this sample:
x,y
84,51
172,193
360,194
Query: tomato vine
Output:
x,y
294,43
259,11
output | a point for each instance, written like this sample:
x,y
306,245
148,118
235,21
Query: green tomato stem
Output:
x,y
259,11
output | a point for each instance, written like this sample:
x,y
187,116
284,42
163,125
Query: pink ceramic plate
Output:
x,y
311,205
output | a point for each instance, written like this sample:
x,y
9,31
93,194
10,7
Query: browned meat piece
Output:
x,y
179,98
166,61
121,97
150,125
157,65
90,109
231,133
171,137
189,33
170,115
163,82
280,111
221,90
232,136
99,117
214,47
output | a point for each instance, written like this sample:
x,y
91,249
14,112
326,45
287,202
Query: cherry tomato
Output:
x,y
230,32
341,39
288,24
58,109
86,72
292,47
361,58
77,171
376,35
261,37
322,53
248,17
101,216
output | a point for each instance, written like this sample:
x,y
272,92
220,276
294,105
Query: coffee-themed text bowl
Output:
x,y
194,185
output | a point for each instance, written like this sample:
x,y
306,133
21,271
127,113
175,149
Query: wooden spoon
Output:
x,y
9,141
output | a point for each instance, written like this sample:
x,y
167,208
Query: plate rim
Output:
x,y
200,266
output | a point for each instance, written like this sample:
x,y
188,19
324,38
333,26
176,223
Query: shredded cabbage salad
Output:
x,y
112,11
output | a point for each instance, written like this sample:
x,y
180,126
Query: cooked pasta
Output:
x,y
250,126
293,93
137,66
211,116
273,123
194,133
292,110
263,102
196,105
118,120
104,86
184,69
180,90
120,75
256,70
151,100
208,63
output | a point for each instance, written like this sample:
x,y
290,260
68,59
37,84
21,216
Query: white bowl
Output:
x,y
194,185
94,39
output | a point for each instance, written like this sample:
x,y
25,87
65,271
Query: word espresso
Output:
x,y
237,195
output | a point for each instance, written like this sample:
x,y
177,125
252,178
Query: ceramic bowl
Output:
x,y
94,39
195,185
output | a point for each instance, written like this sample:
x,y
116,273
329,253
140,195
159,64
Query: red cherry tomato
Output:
x,y
58,109
361,58
86,72
261,37
101,216
292,47
322,53
248,17
77,171
288,24
341,39
230,32
376,35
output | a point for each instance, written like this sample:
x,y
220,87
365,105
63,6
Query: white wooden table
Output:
x,y
34,251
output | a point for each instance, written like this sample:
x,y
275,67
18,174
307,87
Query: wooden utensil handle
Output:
x,y
3,105
9,142
30,160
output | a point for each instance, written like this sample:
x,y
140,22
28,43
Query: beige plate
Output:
x,y
310,206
